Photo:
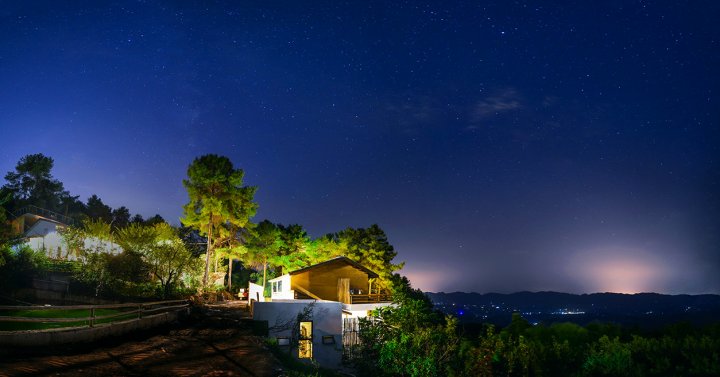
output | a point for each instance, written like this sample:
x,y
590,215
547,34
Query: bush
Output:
x,y
20,266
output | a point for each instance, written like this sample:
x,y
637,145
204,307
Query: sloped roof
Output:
x,y
36,225
345,260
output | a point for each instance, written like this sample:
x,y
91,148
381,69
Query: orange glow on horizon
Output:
x,y
619,270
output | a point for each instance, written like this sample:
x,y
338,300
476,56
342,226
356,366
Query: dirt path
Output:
x,y
219,345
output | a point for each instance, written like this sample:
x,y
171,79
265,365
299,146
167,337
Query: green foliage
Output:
x,y
80,314
169,258
370,248
283,249
97,210
292,251
137,238
264,243
128,266
120,217
217,197
608,357
408,340
19,267
411,339
7,238
151,261
157,219
97,228
94,271
74,240
32,183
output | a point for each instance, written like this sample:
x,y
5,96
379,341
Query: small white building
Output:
x,y
321,303
41,229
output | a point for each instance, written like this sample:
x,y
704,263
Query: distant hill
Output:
x,y
643,309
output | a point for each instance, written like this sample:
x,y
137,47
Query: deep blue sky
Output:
x,y
502,146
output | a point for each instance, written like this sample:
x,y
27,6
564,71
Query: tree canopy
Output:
x,y
370,247
287,248
32,183
217,198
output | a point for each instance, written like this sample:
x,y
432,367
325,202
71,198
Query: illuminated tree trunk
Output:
x,y
230,263
207,254
264,272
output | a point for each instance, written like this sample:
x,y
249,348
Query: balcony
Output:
x,y
42,212
370,298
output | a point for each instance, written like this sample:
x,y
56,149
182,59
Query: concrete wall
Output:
x,y
327,321
41,338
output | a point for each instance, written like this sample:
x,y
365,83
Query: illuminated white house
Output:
x,y
332,295
41,229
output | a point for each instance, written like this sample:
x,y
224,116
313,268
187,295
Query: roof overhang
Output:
x,y
346,260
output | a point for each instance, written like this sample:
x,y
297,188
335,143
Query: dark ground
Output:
x,y
220,343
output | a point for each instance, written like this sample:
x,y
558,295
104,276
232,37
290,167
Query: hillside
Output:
x,y
642,309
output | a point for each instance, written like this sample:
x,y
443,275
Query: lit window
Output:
x,y
305,344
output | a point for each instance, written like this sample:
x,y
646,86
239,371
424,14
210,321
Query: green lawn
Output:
x,y
81,314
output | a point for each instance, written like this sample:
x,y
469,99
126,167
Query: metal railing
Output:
x,y
128,311
370,298
34,210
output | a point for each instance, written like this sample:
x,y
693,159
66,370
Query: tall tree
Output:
x,y
137,219
71,206
97,210
232,245
293,249
217,197
370,248
120,217
264,244
157,219
32,183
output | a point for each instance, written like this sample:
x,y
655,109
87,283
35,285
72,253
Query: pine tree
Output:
x,y
217,197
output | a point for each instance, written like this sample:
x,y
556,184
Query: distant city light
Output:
x,y
619,270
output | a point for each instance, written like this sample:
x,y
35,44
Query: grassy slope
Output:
x,y
81,314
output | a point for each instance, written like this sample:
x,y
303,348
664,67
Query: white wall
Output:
x,y
360,310
45,235
256,293
285,293
327,321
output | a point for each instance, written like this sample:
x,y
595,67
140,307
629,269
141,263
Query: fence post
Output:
x,y
92,317
140,310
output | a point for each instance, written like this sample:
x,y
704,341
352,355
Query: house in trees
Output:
x,y
316,308
41,230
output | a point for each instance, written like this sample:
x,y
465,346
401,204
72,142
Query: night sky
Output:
x,y
503,146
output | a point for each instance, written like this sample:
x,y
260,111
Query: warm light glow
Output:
x,y
305,343
619,269
428,279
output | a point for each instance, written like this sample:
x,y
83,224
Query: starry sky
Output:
x,y
503,146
